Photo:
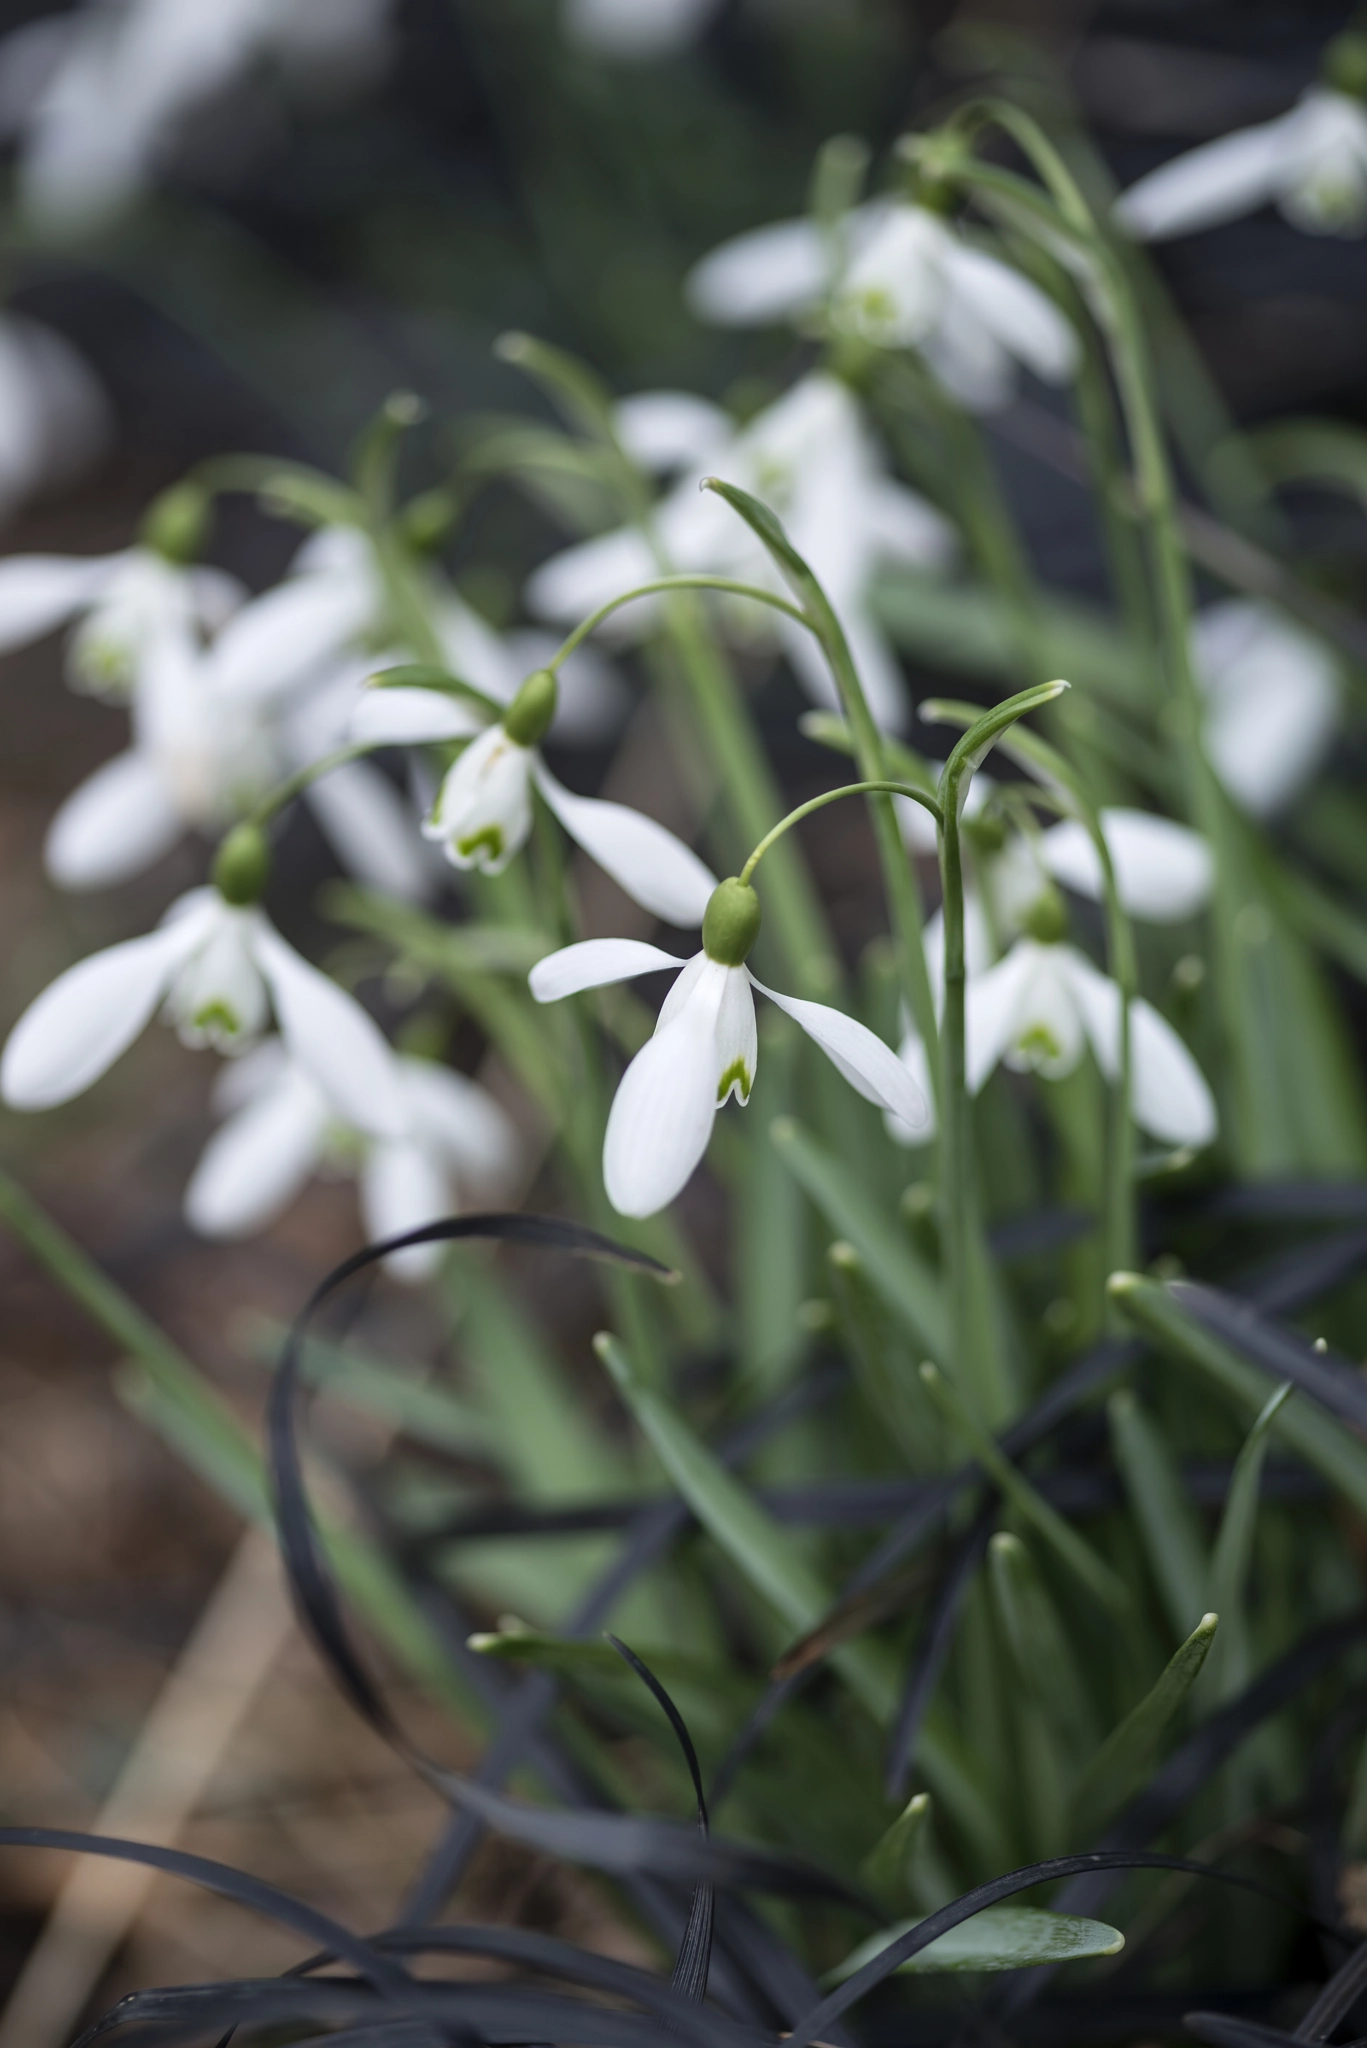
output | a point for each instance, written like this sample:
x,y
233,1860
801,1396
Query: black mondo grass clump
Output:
x,y
739,1975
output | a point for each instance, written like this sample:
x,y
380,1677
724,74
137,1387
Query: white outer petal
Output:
x,y
372,830
766,275
737,1037
872,1069
113,825
78,1026
663,1112
905,527
254,1166
1098,1004
912,1053
576,581
409,717
1023,319
460,1121
1169,1095
1163,870
992,1011
667,430
403,1187
332,1038
1206,186
38,593
276,640
593,963
654,867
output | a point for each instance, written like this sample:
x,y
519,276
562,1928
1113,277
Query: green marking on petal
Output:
x,y
217,1019
1039,1043
739,1077
488,840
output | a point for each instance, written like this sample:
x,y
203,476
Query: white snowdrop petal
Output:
x,y
332,1038
254,1166
636,30
654,867
593,963
912,1053
664,1109
403,1187
1170,1097
1205,186
906,528
666,430
78,1026
408,717
372,830
483,813
872,1069
276,640
38,593
576,581
1098,1004
766,275
457,1118
992,1012
1024,319
1163,870
113,825
737,1038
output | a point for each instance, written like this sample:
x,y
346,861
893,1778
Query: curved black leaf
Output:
x,y
1332,1381
933,1649
1227,2030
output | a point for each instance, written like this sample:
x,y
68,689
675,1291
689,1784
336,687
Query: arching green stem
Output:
x,y
830,796
661,583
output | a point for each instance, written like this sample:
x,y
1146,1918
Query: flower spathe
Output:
x,y
703,1051
280,1128
1041,1005
1311,163
483,812
219,970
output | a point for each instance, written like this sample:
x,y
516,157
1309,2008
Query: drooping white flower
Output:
x,y
1272,701
219,969
483,812
331,598
1042,1004
704,1050
811,457
125,605
900,276
54,417
636,30
1311,163
99,96
280,1128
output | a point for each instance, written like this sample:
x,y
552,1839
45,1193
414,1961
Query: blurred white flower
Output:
x,y
1042,1004
899,276
220,970
483,812
636,30
1272,701
703,1051
1163,871
54,417
127,604
99,96
1310,162
280,1128
812,458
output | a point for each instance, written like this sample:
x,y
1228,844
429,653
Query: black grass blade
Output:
x,y
1332,1381
933,1650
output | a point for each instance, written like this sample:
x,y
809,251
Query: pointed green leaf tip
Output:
x,y
998,1938
242,866
730,923
527,719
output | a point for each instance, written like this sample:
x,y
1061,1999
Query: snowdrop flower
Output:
x,y
218,968
704,1048
1044,1003
900,276
1272,701
1163,871
483,812
1311,163
636,30
280,1128
54,417
813,459
124,604
331,598
98,96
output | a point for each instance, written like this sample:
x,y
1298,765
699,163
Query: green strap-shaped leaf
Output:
x,y
998,1938
886,1870
1167,1524
1124,1757
1233,1554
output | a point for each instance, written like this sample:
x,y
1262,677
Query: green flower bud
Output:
x,y
1345,64
528,717
176,523
985,834
1047,918
242,866
730,923
426,520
